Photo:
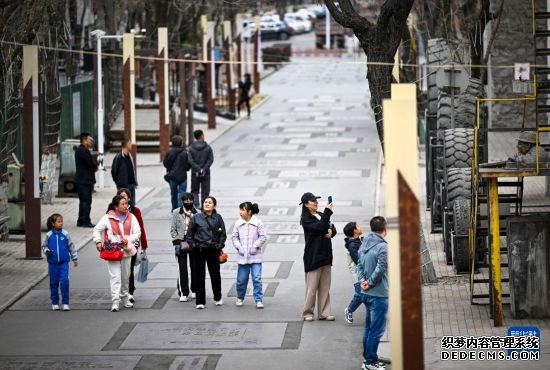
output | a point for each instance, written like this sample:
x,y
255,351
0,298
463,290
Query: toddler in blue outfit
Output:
x,y
59,250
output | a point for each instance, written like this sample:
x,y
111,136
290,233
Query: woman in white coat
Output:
x,y
118,227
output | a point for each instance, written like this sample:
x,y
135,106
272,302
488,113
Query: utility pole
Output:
x,y
228,67
257,55
129,92
32,152
162,70
182,74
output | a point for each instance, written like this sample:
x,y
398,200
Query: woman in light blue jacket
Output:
x,y
248,237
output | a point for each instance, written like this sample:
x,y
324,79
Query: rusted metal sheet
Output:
x,y
411,276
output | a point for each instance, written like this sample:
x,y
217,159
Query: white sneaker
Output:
x,y
200,306
239,303
55,307
128,304
115,307
66,307
259,305
183,298
193,295
218,303
131,298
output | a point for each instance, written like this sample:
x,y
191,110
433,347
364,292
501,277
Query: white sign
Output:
x,y
522,71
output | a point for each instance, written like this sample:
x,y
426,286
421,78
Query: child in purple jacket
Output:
x,y
248,238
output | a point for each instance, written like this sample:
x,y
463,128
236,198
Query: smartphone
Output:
x,y
330,198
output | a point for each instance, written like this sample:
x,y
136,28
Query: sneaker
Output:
x,y
128,304
259,305
193,295
131,298
308,318
328,318
183,298
348,316
55,307
239,303
200,306
375,366
115,307
218,303
66,307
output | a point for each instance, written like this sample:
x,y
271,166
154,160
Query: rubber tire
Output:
x,y
458,185
461,247
437,53
459,143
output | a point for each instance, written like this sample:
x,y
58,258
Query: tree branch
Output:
x,y
347,16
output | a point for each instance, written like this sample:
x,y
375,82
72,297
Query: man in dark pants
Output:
x,y
201,158
84,179
244,92
123,170
176,163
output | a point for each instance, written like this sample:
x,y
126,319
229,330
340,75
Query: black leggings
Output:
x,y
244,100
201,258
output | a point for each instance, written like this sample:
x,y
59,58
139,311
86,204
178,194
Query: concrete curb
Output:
x,y
41,277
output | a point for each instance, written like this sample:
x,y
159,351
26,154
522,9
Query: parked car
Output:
x,y
300,19
274,30
295,27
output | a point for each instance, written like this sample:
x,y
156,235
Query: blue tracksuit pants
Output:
x,y
59,276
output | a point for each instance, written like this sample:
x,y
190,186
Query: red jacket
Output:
x,y
143,238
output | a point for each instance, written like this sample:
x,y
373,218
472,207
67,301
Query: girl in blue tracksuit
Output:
x,y
59,250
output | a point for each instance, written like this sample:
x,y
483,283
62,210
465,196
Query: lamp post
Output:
x,y
99,35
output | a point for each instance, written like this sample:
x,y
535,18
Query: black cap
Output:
x,y
306,197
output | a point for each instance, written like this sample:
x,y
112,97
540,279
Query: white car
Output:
x,y
295,26
300,19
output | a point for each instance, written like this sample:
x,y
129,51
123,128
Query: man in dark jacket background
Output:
x,y
201,158
177,165
318,232
123,170
84,179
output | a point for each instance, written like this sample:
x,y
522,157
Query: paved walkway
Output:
x,y
309,136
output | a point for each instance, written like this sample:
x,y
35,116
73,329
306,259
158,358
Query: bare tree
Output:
x,y
379,41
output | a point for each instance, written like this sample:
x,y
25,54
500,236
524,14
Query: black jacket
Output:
x,y
85,166
353,245
206,231
177,164
318,249
201,156
122,170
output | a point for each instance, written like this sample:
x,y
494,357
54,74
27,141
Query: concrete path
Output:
x,y
313,134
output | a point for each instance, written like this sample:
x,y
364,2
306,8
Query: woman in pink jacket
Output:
x,y
248,238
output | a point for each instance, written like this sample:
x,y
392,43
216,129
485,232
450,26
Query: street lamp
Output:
x,y
99,35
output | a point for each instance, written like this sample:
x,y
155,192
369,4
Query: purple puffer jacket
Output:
x,y
248,238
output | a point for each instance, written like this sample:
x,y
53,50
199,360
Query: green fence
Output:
x,y
77,110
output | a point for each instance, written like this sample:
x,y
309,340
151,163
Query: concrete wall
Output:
x,y
513,43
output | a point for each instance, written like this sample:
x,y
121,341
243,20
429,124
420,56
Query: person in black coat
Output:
x,y
318,232
206,235
244,92
177,165
123,170
84,179
201,158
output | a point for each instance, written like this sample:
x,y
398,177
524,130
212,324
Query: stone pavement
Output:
x,y
314,134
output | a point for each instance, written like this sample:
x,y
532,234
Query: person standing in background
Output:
x,y
177,165
201,158
84,179
123,170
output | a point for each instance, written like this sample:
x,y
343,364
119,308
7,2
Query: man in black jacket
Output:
x,y
123,170
84,179
177,165
201,158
